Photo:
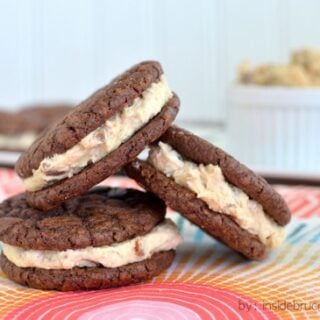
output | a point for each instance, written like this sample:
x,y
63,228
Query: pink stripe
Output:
x,y
205,301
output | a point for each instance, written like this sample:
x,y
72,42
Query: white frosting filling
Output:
x,y
209,184
103,140
17,141
163,237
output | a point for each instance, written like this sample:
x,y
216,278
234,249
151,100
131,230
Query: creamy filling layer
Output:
x,y
102,140
209,184
163,237
17,141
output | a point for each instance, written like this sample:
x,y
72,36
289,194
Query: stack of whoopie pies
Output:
x,y
61,234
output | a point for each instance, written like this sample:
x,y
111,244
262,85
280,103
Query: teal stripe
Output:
x,y
296,230
198,236
304,235
316,238
180,223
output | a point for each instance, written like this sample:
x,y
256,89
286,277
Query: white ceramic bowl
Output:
x,y
274,128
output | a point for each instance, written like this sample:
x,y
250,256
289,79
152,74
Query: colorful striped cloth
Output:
x,y
206,280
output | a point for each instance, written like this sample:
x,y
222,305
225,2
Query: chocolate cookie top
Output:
x,y
42,116
257,188
100,217
32,119
14,124
90,114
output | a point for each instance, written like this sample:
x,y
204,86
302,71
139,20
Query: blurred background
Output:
x,y
61,51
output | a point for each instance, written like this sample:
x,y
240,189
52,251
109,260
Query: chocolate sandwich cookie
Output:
x,y
214,191
98,137
104,238
43,116
20,129
16,132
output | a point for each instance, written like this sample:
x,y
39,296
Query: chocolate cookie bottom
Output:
x,y
89,277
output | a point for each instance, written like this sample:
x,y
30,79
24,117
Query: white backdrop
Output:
x,y
63,50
